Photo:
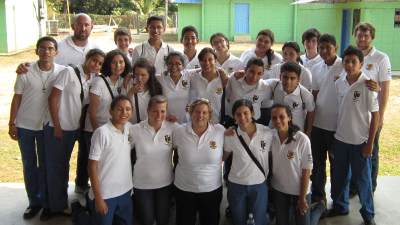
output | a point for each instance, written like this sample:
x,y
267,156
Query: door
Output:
x,y
241,18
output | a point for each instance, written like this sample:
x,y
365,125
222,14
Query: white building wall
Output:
x,y
22,23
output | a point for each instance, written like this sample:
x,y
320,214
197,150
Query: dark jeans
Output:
x,y
346,158
82,176
31,145
58,153
321,145
153,205
374,165
286,204
206,204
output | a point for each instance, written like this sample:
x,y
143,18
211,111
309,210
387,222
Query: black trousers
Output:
x,y
207,204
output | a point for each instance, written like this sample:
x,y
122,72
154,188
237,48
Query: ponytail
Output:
x,y
270,57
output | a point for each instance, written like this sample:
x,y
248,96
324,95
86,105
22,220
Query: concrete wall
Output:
x,y
22,27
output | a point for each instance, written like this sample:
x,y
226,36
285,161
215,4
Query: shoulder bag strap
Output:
x,y
246,147
137,107
108,86
78,74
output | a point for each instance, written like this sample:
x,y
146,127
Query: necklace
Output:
x,y
44,81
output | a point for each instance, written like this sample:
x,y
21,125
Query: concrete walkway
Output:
x,y
387,205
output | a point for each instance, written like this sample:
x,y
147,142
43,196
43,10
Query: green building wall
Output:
x,y
3,28
189,14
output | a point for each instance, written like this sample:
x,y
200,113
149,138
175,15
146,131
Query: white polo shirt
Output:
x,y
143,101
99,88
309,63
288,161
112,149
192,64
177,94
326,107
244,171
275,73
153,167
300,101
239,89
250,53
356,103
377,66
232,64
155,58
200,158
70,102
35,87
201,88
69,53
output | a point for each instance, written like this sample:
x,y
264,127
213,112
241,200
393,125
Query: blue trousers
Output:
x,y
348,160
31,145
285,208
120,211
58,153
246,199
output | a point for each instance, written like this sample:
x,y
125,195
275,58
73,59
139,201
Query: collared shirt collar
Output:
x,y
114,129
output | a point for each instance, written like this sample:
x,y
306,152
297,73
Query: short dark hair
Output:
x,y
291,67
291,44
365,26
154,18
254,61
204,51
219,34
47,38
106,68
153,85
327,38
242,102
178,54
93,52
156,99
351,50
310,34
118,99
122,31
268,33
188,29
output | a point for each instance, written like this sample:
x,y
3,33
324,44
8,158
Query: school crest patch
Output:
x,y
263,145
167,140
213,145
370,66
219,90
230,70
185,83
356,96
255,98
295,105
290,155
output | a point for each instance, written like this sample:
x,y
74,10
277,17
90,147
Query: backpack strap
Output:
x,y
273,90
142,53
108,86
137,107
222,112
78,74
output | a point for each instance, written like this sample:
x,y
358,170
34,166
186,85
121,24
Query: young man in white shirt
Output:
x,y
325,74
189,39
28,110
354,138
154,49
377,67
310,39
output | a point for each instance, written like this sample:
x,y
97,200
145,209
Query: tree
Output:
x,y
145,7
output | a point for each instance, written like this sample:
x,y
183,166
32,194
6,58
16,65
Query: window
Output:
x,y
397,18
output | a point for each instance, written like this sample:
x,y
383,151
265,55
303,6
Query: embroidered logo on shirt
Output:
x,y
370,66
294,105
262,145
167,139
196,66
255,98
230,70
219,90
119,89
130,138
184,83
213,145
290,155
356,96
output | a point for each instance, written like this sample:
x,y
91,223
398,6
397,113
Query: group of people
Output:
x,y
154,124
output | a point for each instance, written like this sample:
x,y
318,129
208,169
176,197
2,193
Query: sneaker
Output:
x,y
31,212
334,212
81,189
370,222
46,215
